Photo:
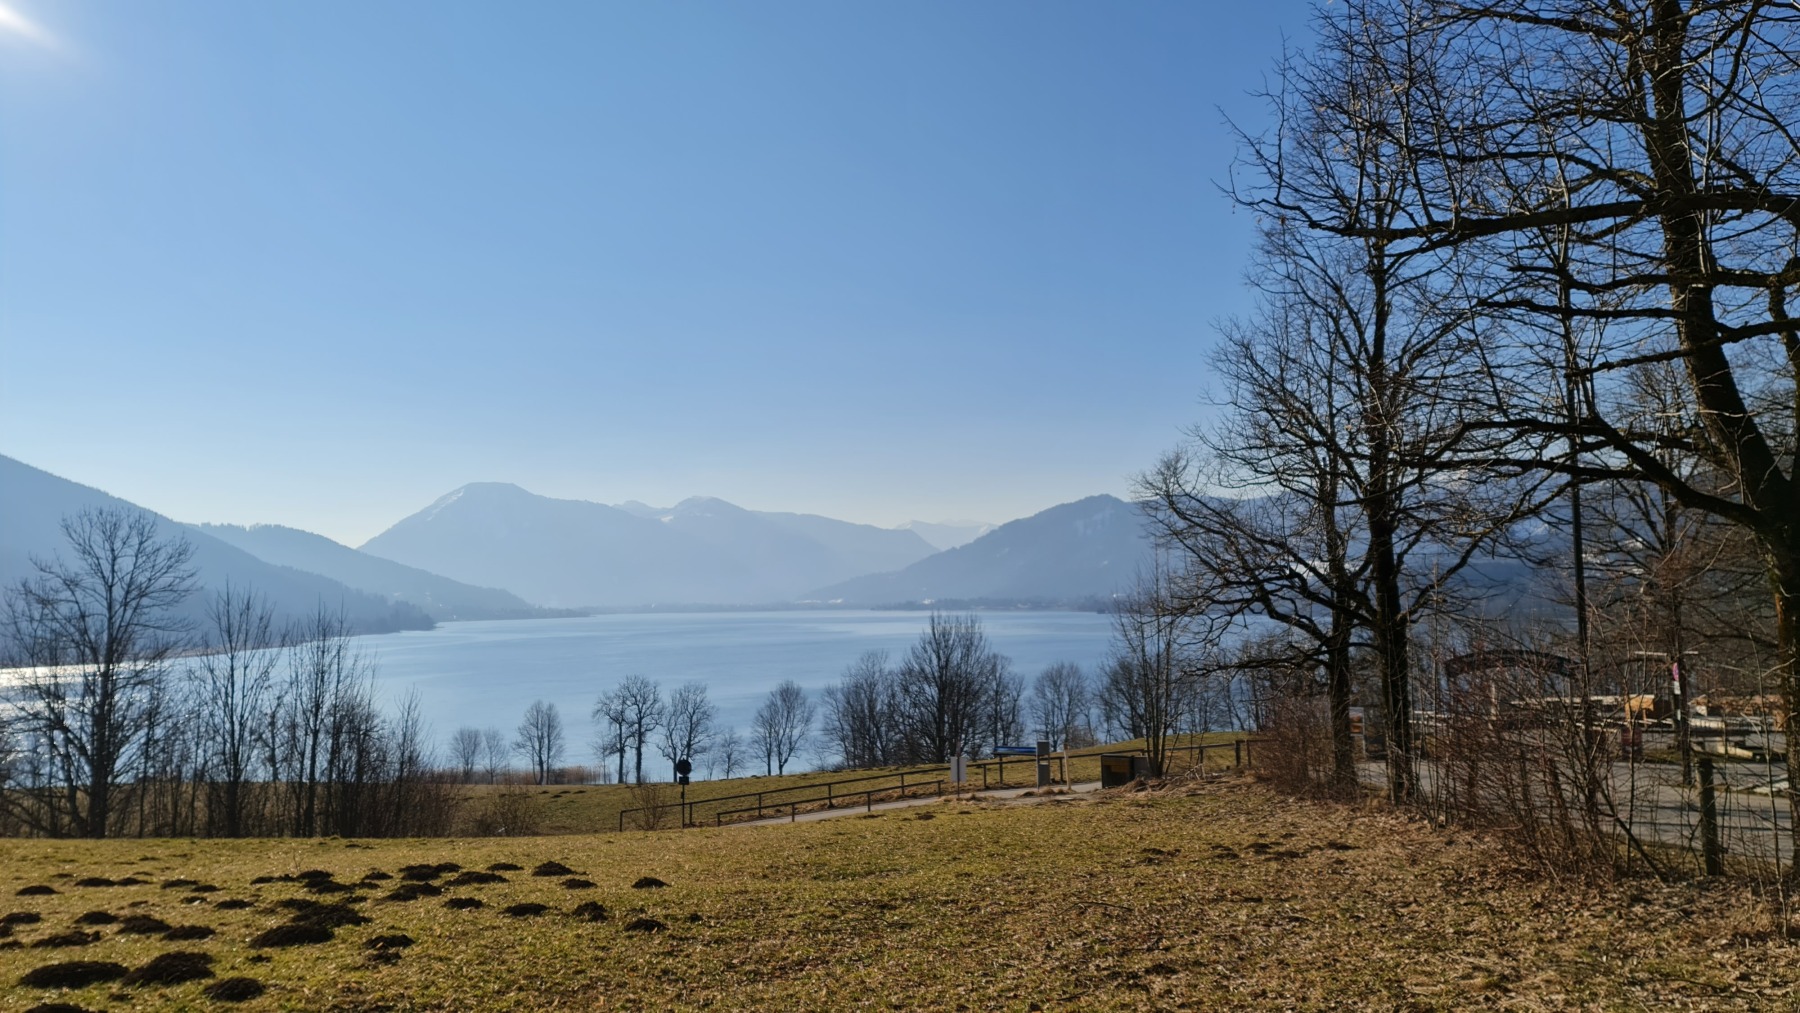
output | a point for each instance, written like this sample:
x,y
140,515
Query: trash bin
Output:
x,y
1118,769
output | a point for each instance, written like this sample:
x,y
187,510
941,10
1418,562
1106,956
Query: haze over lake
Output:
x,y
486,673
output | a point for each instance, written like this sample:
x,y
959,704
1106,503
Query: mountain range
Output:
x,y
578,553
33,504
1087,549
439,597
494,551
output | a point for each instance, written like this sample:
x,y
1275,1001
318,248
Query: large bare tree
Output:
x,y
782,725
95,630
539,739
943,686
687,728
1634,163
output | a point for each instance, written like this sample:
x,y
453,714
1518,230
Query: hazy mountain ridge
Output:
x,y
947,534
578,553
33,503
440,597
1070,553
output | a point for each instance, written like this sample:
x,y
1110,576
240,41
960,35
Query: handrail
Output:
x,y
761,795
687,808
793,807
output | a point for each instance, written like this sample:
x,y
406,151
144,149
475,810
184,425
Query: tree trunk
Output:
x,y
1785,575
1390,649
1337,665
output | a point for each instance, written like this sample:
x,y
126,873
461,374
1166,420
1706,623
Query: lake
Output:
x,y
486,673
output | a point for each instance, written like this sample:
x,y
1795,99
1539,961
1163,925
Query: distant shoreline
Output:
x,y
1097,605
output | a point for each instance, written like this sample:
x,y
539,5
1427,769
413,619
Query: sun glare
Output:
x,y
18,26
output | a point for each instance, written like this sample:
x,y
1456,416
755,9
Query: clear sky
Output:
x,y
319,263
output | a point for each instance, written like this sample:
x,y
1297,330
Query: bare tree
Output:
x,y
612,726
540,739
1153,659
862,713
1059,703
234,676
1003,709
730,752
318,719
687,728
1594,161
96,631
943,684
494,754
465,750
641,703
782,725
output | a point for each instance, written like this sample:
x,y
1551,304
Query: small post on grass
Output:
x,y
682,769
1710,852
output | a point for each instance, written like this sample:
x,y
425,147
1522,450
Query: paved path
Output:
x,y
1010,796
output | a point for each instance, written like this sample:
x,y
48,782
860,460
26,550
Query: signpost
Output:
x,y
682,769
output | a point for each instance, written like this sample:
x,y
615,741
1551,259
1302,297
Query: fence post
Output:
x,y
1237,752
1711,854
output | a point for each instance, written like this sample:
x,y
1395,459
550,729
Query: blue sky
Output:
x,y
319,263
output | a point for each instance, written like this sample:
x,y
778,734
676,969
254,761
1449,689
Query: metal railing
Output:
x,y
793,806
762,797
993,775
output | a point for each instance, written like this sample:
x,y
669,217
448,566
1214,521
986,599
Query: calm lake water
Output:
x,y
486,673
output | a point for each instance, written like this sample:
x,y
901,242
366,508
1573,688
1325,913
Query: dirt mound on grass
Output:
x,y
330,916
553,869
234,990
426,873
648,883
73,974
61,939
292,934
172,969
592,911
143,925
413,891
474,879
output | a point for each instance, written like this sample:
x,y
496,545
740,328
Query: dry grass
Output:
x,y
1213,896
588,809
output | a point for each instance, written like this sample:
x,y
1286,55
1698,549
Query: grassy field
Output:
x,y
1210,895
587,809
